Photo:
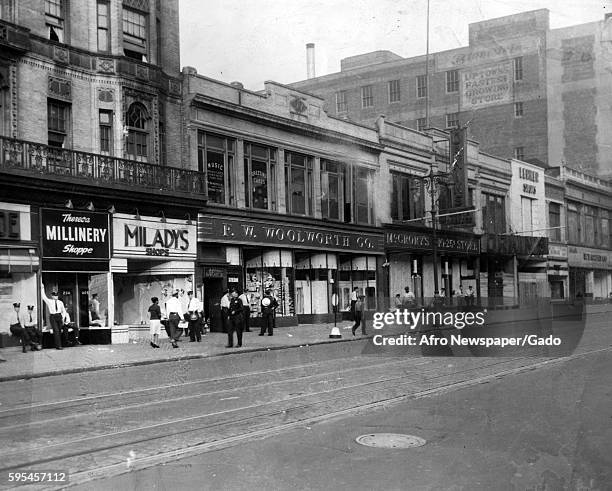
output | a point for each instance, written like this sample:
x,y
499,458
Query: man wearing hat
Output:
x,y
30,323
174,310
17,329
57,314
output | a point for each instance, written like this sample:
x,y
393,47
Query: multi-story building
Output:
x,y
91,144
528,92
580,222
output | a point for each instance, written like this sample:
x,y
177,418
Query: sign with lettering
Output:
x,y
172,239
424,241
557,251
74,234
586,257
486,86
255,232
520,245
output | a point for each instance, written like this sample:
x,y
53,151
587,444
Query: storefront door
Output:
x,y
213,291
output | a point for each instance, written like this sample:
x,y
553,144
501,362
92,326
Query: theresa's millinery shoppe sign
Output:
x,y
253,232
149,236
74,234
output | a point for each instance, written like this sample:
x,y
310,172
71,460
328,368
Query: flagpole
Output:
x,y
427,73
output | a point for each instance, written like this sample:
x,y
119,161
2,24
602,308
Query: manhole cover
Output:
x,y
390,440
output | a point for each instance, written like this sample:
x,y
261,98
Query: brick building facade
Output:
x,y
529,92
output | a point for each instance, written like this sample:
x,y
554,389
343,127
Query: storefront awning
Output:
x,y
19,260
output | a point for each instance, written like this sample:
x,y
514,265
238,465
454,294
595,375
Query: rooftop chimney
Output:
x,y
310,61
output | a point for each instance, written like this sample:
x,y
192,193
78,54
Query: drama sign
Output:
x,y
149,236
74,234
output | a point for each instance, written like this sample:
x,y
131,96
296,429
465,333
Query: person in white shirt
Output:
x,y
353,302
57,314
194,318
225,303
246,311
17,328
175,313
409,298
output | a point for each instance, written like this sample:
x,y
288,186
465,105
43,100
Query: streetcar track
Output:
x,y
87,475
179,421
249,387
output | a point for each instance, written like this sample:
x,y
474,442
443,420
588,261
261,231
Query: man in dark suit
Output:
x,y
235,321
268,313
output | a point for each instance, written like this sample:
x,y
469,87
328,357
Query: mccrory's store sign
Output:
x,y
150,237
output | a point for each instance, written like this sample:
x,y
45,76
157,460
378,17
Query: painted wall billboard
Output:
x,y
486,86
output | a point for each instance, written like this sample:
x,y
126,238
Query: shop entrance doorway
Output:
x,y
213,291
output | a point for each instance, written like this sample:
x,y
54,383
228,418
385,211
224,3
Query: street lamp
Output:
x,y
432,183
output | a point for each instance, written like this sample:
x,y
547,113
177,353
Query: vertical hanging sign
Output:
x,y
459,171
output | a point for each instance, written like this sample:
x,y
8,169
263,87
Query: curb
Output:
x,y
11,378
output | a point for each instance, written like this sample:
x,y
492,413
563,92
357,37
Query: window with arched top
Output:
x,y
137,123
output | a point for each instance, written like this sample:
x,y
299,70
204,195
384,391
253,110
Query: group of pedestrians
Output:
x,y
174,313
235,316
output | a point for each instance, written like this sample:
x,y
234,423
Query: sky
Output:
x,y
252,41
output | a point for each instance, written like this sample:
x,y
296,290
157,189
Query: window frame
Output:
x,y
421,122
367,96
369,183
325,173
60,131
452,81
55,19
404,187
517,65
138,137
394,91
518,109
421,86
554,210
341,102
493,221
106,128
134,45
104,29
452,123
228,150
519,153
271,163
290,168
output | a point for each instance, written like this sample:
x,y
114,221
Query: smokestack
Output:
x,y
310,61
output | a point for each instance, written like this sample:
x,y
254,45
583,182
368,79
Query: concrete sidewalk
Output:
x,y
18,365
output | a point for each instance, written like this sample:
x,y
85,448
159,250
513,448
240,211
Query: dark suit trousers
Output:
x,y
173,322
235,324
268,323
57,323
195,329
246,314
21,333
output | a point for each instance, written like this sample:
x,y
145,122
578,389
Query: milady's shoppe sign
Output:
x,y
74,234
149,236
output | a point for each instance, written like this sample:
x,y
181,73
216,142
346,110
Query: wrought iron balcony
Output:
x,y
43,161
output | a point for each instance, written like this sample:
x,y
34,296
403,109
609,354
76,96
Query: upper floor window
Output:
x,y
493,213
103,25
452,120
135,34
367,96
298,183
341,104
573,224
452,81
58,122
259,176
518,109
137,123
421,124
363,192
421,86
54,19
554,221
106,132
519,153
394,91
216,160
332,190
407,198
518,68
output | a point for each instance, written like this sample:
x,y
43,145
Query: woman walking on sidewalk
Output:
x,y
155,322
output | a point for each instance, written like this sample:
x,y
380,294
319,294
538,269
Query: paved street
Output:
x,y
99,424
